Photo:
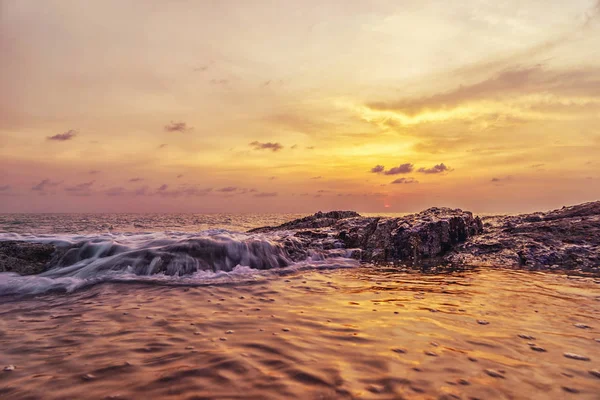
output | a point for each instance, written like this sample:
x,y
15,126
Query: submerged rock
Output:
x,y
576,357
25,258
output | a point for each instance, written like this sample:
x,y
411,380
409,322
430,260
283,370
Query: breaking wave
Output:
x,y
209,257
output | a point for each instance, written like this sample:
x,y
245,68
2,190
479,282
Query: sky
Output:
x,y
285,106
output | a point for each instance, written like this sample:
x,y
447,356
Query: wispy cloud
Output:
x,y
202,68
177,127
497,180
62,137
219,81
143,191
378,169
163,187
405,181
436,169
116,191
94,172
80,189
266,194
401,169
162,146
273,146
45,184
228,189
136,179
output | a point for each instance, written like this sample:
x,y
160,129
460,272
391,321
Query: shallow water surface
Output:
x,y
361,332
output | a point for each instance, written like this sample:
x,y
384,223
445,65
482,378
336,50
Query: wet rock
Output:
x,y
417,239
318,220
493,373
566,239
527,337
25,258
537,348
88,377
582,326
576,357
376,389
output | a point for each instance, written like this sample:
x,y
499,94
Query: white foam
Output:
x,y
213,256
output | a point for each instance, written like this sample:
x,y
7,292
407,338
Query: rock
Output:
x,y
430,353
88,377
527,337
582,326
482,322
285,329
537,348
437,239
576,357
318,220
9,368
493,373
569,389
229,332
399,351
417,239
25,258
566,239
595,372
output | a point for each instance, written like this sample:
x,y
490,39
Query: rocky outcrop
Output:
x,y
414,239
318,220
565,239
24,258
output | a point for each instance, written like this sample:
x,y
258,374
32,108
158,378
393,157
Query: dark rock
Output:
x,y
25,258
565,239
415,239
318,220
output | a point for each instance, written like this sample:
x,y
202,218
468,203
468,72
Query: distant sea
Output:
x,y
76,223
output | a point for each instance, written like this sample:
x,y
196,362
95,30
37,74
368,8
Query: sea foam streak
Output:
x,y
212,256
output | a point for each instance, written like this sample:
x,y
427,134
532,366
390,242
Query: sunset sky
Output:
x,y
298,106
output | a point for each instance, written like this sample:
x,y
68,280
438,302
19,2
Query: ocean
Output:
x,y
191,306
